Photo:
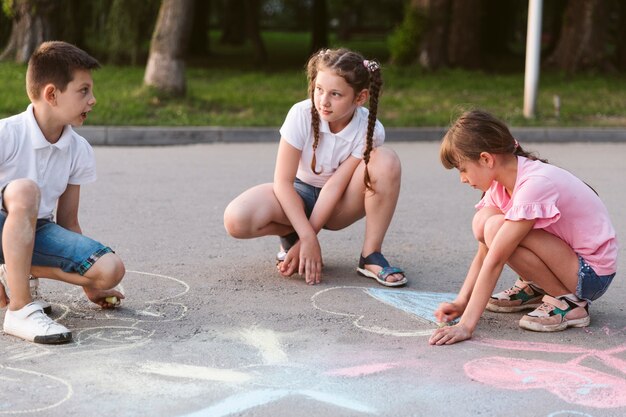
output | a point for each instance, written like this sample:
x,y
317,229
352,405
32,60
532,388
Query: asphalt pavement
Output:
x,y
209,328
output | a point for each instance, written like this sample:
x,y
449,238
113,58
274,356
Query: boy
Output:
x,y
43,163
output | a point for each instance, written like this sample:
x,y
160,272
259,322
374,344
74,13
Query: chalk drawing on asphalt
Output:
x,y
570,381
393,312
150,302
269,381
150,298
51,391
569,413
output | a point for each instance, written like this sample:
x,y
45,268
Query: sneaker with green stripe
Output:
x,y
521,296
556,314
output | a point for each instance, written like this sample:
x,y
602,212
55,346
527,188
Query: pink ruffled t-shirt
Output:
x,y
562,205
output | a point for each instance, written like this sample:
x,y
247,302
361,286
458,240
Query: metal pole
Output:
x,y
533,50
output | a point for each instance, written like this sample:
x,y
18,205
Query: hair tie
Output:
x,y
515,144
371,66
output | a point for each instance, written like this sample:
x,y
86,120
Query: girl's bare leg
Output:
x,y
377,205
542,258
255,213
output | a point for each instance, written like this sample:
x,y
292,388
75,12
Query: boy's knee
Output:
x,y
109,271
22,195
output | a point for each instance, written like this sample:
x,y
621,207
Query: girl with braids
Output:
x,y
330,172
542,221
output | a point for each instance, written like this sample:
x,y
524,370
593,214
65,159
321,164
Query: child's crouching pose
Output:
x,y
43,163
330,172
546,224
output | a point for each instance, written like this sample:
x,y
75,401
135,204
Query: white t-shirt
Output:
x,y
332,148
25,153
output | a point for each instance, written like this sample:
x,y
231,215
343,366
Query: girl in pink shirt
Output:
x,y
550,227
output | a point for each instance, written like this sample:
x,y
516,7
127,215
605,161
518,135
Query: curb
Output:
x,y
163,136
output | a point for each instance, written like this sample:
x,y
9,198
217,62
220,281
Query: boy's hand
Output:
x,y
450,335
104,297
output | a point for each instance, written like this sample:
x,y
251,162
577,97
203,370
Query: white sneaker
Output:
x,y
36,297
34,290
30,323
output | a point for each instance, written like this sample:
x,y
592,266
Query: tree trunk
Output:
x,y
583,37
166,66
464,46
319,37
346,20
31,26
199,44
433,51
253,31
232,21
620,38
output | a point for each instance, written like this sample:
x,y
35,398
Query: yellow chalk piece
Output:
x,y
442,324
112,300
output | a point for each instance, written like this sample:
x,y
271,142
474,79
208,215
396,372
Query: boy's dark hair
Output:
x,y
54,62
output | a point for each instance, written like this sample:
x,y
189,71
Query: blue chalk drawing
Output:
x,y
420,304
240,403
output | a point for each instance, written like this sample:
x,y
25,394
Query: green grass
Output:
x,y
229,91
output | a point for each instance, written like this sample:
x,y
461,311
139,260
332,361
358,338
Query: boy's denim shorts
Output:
x,y
591,285
58,247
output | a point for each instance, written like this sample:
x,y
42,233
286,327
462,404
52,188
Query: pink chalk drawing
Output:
x,y
570,381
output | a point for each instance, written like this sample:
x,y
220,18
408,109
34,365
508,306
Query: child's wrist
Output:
x,y
309,236
460,302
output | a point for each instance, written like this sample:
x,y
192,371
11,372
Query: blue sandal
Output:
x,y
377,258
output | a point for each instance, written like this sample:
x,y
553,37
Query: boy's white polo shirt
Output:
x,y
332,148
25,153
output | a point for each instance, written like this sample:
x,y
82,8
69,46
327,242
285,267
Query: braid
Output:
x,y
311,69
315,122
374,92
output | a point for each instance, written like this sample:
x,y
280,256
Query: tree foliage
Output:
x,y
405,39
486,34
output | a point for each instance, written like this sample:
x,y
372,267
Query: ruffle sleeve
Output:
x,y
536,199
544,214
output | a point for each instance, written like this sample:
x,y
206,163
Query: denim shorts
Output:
x,y
58,247
309,195
591,285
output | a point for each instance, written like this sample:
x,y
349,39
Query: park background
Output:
x,y
206,329
240,62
